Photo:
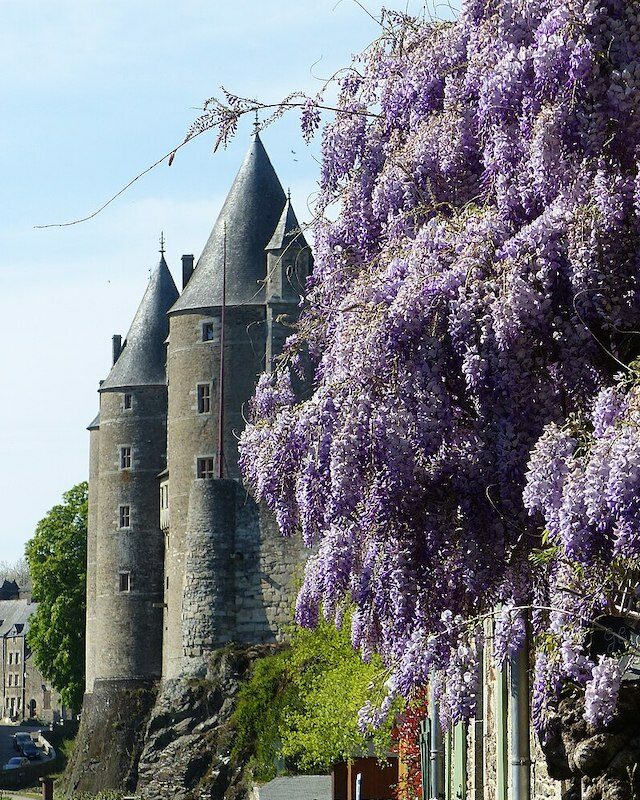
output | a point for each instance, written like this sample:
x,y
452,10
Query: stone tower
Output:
x,y
92,545
128,451
212,525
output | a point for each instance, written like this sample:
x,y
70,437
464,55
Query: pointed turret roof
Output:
x,y
287,230
251,212
142,361
94,425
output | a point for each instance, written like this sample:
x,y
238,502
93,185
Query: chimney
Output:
x,y
187,269
116,346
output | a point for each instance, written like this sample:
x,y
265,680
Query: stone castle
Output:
x,y
181,560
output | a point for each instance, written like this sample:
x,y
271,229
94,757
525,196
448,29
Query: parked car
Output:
x,y
30,750
16,762
19,739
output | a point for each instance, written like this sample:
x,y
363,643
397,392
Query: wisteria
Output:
x,y
462,440
601,694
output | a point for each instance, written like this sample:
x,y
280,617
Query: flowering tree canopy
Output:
x,y
451,449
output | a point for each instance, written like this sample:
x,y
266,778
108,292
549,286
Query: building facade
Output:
x,y
25,692
180,559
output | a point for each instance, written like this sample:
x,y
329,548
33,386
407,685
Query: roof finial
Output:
x,y
289,194
256,123
162,242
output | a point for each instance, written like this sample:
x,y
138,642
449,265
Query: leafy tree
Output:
x,y
302,705
57,561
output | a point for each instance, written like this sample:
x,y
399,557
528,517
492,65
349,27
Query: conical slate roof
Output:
x,y
251,212
142,361
94,425
287,230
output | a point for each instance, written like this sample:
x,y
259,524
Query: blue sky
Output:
x,y
92,92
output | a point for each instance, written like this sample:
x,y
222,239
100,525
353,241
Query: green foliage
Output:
x,y
300,708
57,556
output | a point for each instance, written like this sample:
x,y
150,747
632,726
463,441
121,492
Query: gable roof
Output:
x,y
142,361
250,213
14,617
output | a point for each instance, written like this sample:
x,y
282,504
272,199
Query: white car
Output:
x,y
16,762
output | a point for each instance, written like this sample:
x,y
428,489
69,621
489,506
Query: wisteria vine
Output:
x,y
455,367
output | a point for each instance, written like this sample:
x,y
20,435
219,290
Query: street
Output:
x,y
6,740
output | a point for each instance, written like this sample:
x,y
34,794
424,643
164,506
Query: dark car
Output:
x,y
31,751
19,739
16,762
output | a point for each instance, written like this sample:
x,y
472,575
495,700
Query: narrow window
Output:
x,y
205,468
204,398
127,401
207,331
11,658
125,517
10,679
125,581
167,583
125,457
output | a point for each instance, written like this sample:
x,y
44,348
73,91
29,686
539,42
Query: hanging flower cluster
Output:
x,y
477,289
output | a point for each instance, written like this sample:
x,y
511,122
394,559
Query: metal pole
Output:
x,y
436,756
221,375
520,734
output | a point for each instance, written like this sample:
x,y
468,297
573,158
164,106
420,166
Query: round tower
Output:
x,y
132,454
92,536
229,278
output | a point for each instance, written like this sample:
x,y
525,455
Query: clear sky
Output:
x,y
92,92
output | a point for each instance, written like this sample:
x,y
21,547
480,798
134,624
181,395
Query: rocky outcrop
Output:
x,y
110,739
606,761
189,738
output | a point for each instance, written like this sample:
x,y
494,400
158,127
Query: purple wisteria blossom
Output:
x,y
465,441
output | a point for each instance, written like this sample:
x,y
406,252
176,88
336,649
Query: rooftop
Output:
x,y
249,216
298,787
14,616
142,361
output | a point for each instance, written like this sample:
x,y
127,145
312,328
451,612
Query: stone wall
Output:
x,y
241,575
208,609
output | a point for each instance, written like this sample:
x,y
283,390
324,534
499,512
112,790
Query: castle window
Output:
x,y
11,658
205,468
207,331
125,457
10,679
127,401
124,517
204,398
125,581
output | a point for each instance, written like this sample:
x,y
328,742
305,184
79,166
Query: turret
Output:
x,y
229,282
127,619
288,267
